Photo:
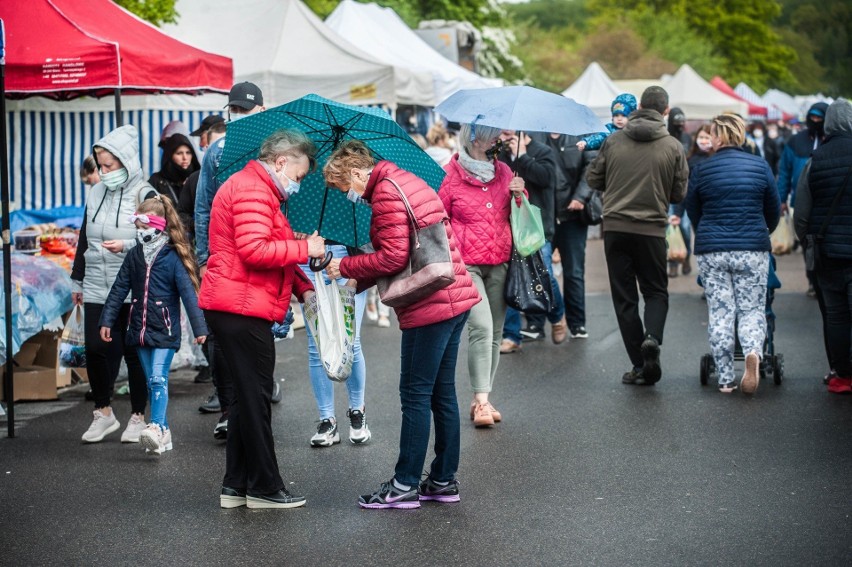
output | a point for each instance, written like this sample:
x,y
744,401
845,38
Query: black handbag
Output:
x,y
528,286
813,242
592,213
430,263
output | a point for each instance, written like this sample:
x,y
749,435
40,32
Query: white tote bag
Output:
x,y
330,318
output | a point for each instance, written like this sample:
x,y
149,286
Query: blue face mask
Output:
x,y
235,117
353,196
292,186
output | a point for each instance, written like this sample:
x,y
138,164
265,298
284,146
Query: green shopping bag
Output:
x,y
527,228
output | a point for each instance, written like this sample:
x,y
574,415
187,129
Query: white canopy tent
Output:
x,y
745,91
382,34
698,99
805,102
595,89
782,100
284,48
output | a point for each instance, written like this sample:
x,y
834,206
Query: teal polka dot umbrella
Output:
x,y
328,123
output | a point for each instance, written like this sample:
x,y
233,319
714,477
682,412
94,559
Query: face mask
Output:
x,y
147,235
115,178
353,196
292,187
235,117
705,146
758,134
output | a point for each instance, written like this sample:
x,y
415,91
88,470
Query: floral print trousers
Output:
x,y
735,283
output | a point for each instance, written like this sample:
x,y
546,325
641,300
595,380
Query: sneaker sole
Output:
x,y
360,440
751,376
150,443
651,371
259,503
401,505
323,443
583,336
111,429
227,502
158,451
728,389
445,499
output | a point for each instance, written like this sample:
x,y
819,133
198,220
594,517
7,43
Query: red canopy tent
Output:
x,y
753,109
64,49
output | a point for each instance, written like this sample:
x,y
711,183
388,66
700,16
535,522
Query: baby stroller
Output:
x,y
772,363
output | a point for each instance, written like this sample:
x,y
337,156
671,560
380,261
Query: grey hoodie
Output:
x,y
640,169
107,212
838,117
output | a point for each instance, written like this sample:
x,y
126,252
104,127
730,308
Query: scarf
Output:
x,y
482,170
152,248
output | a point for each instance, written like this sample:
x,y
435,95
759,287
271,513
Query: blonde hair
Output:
x,y
481,133
174,227
351,154
437,134
730,129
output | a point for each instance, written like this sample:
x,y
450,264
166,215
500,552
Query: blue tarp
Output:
x,y
61,216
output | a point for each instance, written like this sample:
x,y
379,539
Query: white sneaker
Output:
x,y
134,428
102,425
358,431
384,321
371,312
326,435
155,440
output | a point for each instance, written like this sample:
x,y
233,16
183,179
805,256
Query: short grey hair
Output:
x,y
482,133
291,143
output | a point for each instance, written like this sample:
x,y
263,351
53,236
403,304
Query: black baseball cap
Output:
x,y
245,95
206,124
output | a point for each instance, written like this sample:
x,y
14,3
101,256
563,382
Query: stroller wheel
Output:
x,y
706,369
778,368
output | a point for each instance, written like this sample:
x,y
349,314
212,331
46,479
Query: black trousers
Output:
x,y
103,359
245,350
632,258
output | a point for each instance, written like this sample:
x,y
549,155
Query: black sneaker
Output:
x,y
430,490
388,496
203,376
326,435
651,370
276,392
579,333
232,498
280,499
532,333
221,429
728,387
211,405
633,377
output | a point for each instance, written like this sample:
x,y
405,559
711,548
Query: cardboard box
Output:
x,y
37,373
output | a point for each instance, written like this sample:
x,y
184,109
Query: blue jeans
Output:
x,y
512,325
323,387
156,363
570,240
427,385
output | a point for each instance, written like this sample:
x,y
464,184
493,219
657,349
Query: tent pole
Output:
x,y
8,384
118,120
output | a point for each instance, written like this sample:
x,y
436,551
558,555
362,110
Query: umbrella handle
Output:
x,y
319,264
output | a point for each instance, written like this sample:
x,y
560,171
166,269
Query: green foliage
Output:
x,y
155,11
550,14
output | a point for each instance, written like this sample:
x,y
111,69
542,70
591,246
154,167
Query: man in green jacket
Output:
x,y
640,170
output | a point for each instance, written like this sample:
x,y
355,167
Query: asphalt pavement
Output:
x,y
582,471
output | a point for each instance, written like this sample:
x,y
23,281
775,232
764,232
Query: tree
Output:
x,y
157,12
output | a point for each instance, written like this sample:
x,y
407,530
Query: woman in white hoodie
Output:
x,y
105,238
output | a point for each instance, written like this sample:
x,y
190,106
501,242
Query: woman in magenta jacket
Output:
x,y
431,328
252,270
477,193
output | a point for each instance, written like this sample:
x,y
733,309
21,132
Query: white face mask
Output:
x,y
148,235
113,179
705,146
235,117
290,186
758,134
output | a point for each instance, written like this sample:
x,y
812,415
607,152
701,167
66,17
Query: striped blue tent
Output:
x,y
48,141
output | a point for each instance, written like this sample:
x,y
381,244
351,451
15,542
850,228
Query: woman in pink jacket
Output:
x,y
477,193
431,327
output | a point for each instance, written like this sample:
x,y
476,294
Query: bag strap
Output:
x,y
834,204
413,219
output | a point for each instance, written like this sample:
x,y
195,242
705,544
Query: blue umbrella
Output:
x,y
520,108
327,124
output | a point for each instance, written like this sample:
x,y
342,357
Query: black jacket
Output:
x,y
169,180
828,170
154,319
538,170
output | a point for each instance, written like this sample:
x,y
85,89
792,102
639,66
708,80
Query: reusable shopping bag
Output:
x,y
72,343
430,263
527,287
527,228
676,244
330,318
782,237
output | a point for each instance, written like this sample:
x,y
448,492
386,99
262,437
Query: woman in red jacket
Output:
x,y
252,270
431,328
477,194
